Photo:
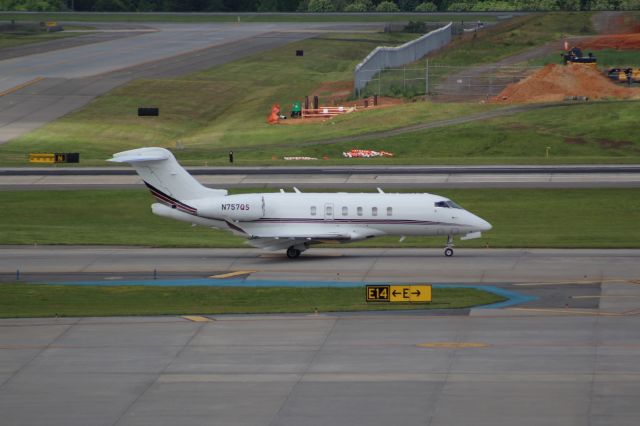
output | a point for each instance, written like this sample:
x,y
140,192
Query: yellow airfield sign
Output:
x,y
399,293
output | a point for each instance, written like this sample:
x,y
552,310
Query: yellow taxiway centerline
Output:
x,y
21,86
197,318
231,274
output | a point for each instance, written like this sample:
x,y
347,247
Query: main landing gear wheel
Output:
x,y
448,250
293,253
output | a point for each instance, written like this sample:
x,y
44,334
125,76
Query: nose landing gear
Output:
x,y
448,250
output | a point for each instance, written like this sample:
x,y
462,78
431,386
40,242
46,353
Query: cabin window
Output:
x,y
345,210
328,211
313,210
359,211
374,211
389,211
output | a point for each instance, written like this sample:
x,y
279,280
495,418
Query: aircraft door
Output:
x,y
328,211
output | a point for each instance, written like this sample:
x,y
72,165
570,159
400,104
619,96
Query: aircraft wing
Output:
x,y
277,238
272,243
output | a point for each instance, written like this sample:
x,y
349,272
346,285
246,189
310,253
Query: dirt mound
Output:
x,y
614,41
556,82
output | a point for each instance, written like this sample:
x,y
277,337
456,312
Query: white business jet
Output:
x,y
295,221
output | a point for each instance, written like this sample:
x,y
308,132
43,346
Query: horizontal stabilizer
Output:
x,y
140,155
167,180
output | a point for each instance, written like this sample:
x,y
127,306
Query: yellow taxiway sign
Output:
x,y
399,293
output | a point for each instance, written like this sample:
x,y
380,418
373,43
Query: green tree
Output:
x,y
387,6
321,6
268,5
408,5
569,4
426,7
33,5
112,6
494,5
359,6
460,7
630,5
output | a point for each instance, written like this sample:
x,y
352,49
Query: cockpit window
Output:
x,y
453,205
447,204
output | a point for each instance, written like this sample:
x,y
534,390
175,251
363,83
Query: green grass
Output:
x,y
29,300
226,107
21,38
513,36
211,112
572,218
233,17
598,132
489,45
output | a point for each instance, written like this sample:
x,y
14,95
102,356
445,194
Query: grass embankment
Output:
x,y
483,47
23,37
244,17
226,107
28,300
573,218
596,132
513,36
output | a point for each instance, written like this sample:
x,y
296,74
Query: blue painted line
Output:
x,y
513,298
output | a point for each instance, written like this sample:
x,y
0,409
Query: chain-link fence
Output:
x,y
447,82
389,57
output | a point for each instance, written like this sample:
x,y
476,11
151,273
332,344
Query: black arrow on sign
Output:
x,y
417,293
395,292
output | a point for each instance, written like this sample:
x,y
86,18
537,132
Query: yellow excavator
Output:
x,y
624,75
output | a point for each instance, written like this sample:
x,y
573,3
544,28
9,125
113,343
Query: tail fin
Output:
x,y
164,176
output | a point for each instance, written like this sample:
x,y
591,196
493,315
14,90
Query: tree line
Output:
x,y
314,5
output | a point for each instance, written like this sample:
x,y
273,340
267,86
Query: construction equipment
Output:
x,y
624,75
575,56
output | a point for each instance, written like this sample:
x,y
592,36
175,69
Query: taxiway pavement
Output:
x,y
560,176
348,264
528,365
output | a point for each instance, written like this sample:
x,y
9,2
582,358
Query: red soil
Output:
x,y
614,41
556,82
335,93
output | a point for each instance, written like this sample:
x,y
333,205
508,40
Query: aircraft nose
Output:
x,y
484,225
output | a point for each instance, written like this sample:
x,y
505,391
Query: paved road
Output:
x,y
529,365
310,177
41,87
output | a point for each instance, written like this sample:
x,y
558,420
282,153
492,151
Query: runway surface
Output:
x,y
538,363
594,176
